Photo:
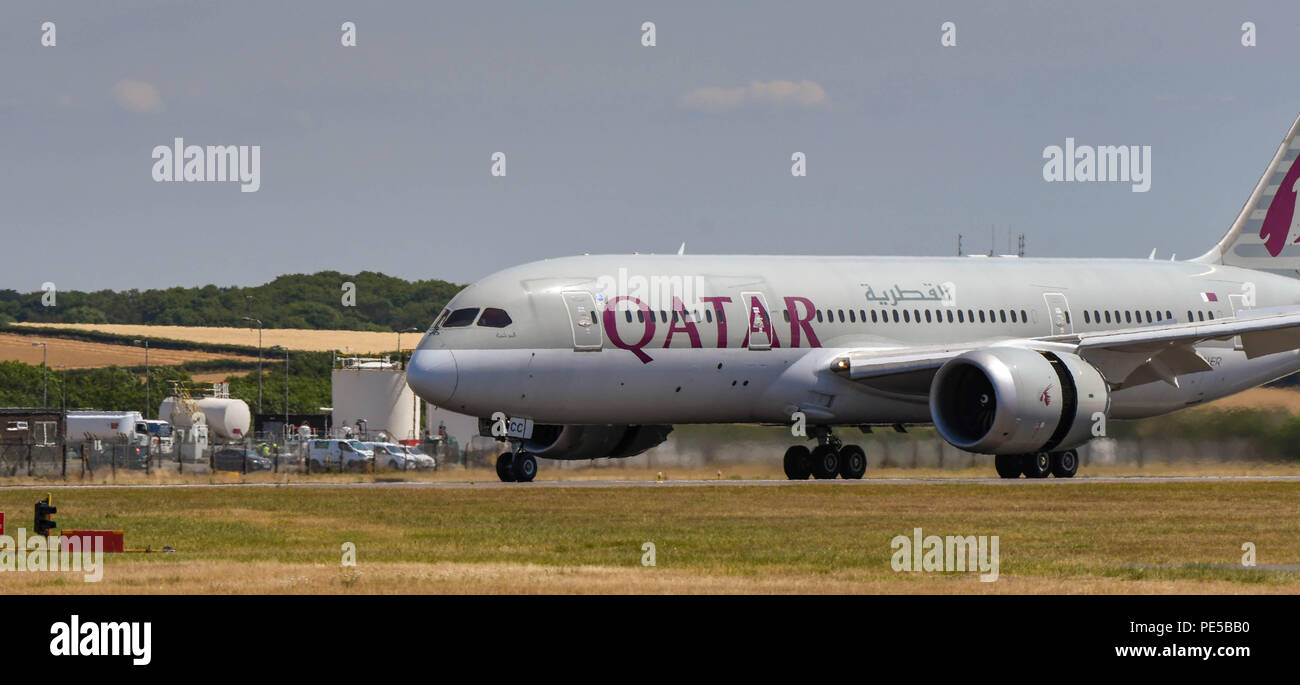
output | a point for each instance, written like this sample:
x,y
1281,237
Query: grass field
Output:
x,y
360,342
808,538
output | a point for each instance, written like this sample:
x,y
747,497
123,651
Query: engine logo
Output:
x,y
1046,396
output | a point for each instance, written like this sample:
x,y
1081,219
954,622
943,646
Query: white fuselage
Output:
x,y
754,336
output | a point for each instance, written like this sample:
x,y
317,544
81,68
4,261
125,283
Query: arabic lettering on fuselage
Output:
x,y
928,292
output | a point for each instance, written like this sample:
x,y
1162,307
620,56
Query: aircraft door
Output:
x,y
1058,314
584,319
1238,303
760,320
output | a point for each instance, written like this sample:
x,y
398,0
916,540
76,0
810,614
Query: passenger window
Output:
x,y
1190,318
1148,313
981,316
1023,316
819,316
708,315
1086,319
841,316
906,317
1002,314
961,316
1211,316
1201,315
1128,316
862,315
628,314
1107,316
785,313
949,316
916,315
895,316
927,316
873,316
1169,316
853,318
498,318
461,317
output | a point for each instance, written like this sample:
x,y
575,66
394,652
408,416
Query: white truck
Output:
x,y
120,427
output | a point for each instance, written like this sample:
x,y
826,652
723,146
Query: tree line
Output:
x,y
373,302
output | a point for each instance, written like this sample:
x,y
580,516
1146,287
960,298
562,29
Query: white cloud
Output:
x,y
137,96
799,94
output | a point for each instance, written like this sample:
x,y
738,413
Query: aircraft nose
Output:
x,y
432,375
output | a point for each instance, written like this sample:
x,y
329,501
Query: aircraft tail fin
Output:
x,y
1266,234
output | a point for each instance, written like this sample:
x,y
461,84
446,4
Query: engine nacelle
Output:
x,y
1010,400
592,441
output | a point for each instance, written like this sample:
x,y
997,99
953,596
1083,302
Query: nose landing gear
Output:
x,y
825,461
517,466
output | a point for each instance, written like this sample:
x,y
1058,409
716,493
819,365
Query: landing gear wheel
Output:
x,y
798,463
1007,465
1036,464
525,467
853,462
1065,464
505,467
825,462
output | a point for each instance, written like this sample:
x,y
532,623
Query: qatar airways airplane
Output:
x,y
598,356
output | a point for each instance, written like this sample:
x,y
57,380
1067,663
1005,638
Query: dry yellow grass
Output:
x,y
360,342
1261,398
1090,538
77,354
379,578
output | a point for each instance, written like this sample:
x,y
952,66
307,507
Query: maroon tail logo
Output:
x,y
1281,226
1046,396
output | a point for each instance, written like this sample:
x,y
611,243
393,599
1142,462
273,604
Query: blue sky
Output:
x,y
377,157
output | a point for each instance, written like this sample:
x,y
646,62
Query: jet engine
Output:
x,y
1010,400
593,441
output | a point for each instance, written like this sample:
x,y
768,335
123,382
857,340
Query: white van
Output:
x,y
329,454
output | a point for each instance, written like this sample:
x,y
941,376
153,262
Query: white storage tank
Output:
x,y
227,419
374,391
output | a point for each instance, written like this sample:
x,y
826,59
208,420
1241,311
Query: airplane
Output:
x,y
590,357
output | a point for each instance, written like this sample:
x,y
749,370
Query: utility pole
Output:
x,y
399,343
64,387
286,386
259,359
45,376
148,398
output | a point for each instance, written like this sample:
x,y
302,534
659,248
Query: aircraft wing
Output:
x,y
1125,357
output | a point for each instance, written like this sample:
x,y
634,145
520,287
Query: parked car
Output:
x,y
397,457
422,460
239,458
350,455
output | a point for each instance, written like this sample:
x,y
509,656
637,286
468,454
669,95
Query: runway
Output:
x,y
762,483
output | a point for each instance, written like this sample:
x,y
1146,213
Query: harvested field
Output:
x,y
360,342
76,354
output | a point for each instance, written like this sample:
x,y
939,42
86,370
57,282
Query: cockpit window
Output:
x,y
460,317
494,318
438,321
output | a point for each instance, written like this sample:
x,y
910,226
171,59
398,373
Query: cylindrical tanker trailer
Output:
x,y
227,419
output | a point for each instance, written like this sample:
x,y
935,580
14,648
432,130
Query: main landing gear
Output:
x,y
517,466
828,459
1038,464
